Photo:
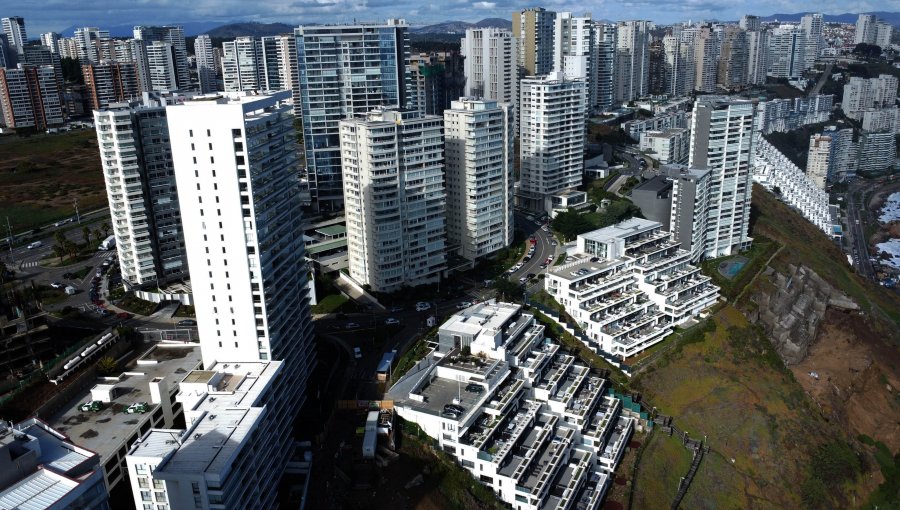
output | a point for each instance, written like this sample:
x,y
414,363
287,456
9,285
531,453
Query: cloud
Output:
x,y
485,5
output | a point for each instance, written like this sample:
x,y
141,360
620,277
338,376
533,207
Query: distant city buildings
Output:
x,y
206,64
110,82
533,30
861,94
871,30
30,98
671,146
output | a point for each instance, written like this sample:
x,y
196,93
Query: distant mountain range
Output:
x,y
459,27
891,17
252,29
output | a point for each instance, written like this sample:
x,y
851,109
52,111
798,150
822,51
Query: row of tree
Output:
x,y
63,246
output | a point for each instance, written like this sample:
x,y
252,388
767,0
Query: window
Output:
x,y
145,495
158,484
190,132
143,483
208,133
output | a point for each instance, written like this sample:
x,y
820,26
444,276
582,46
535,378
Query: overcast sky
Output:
x,y
56,15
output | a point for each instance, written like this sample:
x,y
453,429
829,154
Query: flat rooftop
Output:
x,y
39,491
627,228
104,431
583,262
487,317
656,184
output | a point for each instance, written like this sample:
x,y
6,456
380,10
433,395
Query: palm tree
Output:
x,y
59,237
106,228
71,248
98,235
86,235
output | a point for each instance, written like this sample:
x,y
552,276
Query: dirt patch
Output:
x,y
858,380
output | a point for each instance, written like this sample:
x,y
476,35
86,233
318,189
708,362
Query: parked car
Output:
x,y
421,306
70,290
186,323
523,279
475,388
463,305
390,321
56,285
91,406
357,353
137,408
36,244
351,325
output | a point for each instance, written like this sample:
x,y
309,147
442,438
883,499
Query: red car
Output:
x,y
533,240
123,315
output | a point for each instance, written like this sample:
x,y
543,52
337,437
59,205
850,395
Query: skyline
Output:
x,y
58,15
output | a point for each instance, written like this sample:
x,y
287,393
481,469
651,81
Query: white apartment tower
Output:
x,y
88,41
573,45
14,28
706,58
750,23
235,164
552,120
162,66
632,60
871,30
241,64
861,94
721,141
172,35
206,64
51,40
812,25
604,80
136,156
733,61
490,64
787,52
479,144
394,198
757,56
818,162
331,87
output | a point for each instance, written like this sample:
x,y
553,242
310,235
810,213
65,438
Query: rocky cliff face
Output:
x,y
790,312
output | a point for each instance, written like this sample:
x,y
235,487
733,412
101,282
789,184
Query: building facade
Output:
x,y
110,82
395,199
491,64
479,140
30,97
173,36
533,30
632,60
206,64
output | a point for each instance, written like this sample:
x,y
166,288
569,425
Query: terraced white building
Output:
x,y
628,285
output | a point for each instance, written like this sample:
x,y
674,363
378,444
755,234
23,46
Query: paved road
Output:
x,y
824,78
22,257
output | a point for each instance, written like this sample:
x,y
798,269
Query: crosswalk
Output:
x,y
30,263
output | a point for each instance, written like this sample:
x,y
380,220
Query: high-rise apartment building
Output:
x,y
757,56
843,160
733,59
689,211
110,82
14,28
252,63
533,30
678,64
51,40
787,52
574,47
235,166
706,59
871,30
30,98
436,79
750,23
632,60
173,36
812,25
136,155
331,88
604,80
206,64
491,64
818,162
394,198
882,119
552,116
877,152
861,94
670,146
88,41
162,67
479,139
721,141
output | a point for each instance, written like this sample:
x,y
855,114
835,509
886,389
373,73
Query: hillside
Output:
x,y
891,17
250,29
459,27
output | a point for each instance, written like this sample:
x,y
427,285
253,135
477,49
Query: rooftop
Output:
x,y
485,318
39,491
583,266
104,431
654,185
629,227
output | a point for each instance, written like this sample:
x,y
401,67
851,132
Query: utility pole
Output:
x,y
10,238
77,216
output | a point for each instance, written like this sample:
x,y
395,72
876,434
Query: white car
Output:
x,y
56,285
421,306
38,244
463,305
357,353
390,321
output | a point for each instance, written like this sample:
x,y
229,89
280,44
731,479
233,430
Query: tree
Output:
x,y
570,223
59,237
106,228
71,248
867,50
59,251
71,70
106,365
86,235
508,290
98,235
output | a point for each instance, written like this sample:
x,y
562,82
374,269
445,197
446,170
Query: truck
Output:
x,y
108,243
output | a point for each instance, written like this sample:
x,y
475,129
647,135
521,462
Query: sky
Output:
x,y
56,15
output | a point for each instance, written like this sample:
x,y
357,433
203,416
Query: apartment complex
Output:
x,y
772,169
14,29
331,59
110,82
394,197
552,116
604,80
871,30
632,60
721,141
206,64
479,140
253,63
787,114
574,49
30,97
533,30
877,152
628,285
818,161
166,50
862,94
235,163
532,423
787,52
491,64
41,468
136,156
664,121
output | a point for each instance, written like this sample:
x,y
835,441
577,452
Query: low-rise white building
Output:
x,y
525,419
628,285
671,146
667,120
